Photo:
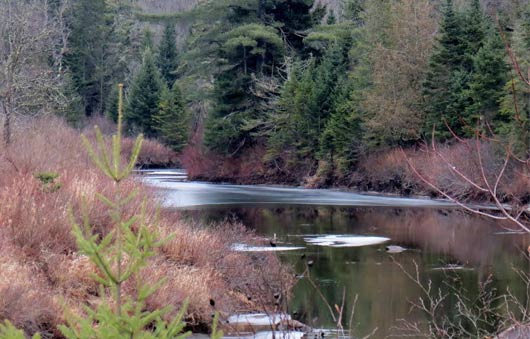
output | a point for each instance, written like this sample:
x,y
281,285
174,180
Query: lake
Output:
x,y
362,250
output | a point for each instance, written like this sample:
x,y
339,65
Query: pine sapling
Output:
x,y
119,257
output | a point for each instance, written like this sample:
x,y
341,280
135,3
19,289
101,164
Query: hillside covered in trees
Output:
x,y
293,91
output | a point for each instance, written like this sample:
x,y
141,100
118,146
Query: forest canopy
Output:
x,y
312,84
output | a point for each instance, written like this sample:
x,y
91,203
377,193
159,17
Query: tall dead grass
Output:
x,y
41,273
391,171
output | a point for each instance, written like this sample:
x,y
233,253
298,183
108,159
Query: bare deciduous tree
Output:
x,y
399,63
33,38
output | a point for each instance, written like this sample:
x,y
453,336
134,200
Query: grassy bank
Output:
x,y
45,174
410,171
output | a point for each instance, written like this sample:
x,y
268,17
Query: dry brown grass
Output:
x,y
391,171
41,273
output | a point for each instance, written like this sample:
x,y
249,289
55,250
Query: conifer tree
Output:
x,y
446,88
306,103
167,55
293,131
111,108
144,97
88,45
147,39
283,134
327,75
171,121
488,80
341,140
248,53
119,257
474,33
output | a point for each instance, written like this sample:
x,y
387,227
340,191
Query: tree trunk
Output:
x,y
7,123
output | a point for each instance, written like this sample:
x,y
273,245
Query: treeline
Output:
x,y
66,57
319,86
311,87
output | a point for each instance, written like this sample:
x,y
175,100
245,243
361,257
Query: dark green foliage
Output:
x,y
306,103
343,137
447,59
283,135
90,28
144,97
224,125
246,41
328,74
293,17
111,108
513,123
488,80
147,40
167,55
474,32
249,53
275,73
48,180
103,44
325,36
331,20
171,121
341,140
452,69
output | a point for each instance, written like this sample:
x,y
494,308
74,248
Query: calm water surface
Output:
x,y
436,236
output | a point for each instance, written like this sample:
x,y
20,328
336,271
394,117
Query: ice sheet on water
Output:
x,y
344,240
258,319
394,249
250,248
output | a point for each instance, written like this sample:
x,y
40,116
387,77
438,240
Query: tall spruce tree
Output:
x,y
306,104
488,80
292,118
171,121
327,75
249,53
144,97
474,33
88,45
446,88
167,55
254,37
341,140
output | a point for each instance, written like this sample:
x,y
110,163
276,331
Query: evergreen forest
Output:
x,y
308,87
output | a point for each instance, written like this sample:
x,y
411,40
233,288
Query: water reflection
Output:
x,y
434,239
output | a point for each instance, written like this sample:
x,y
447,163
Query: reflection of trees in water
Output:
x,y
434,237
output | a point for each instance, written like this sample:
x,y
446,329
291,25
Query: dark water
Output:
x,y
436,237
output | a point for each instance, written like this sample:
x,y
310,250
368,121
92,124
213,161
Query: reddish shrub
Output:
x,y
153,153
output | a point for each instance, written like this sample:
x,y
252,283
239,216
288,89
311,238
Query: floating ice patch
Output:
x,y
258,319
395,249
249,248
271,335
345,240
